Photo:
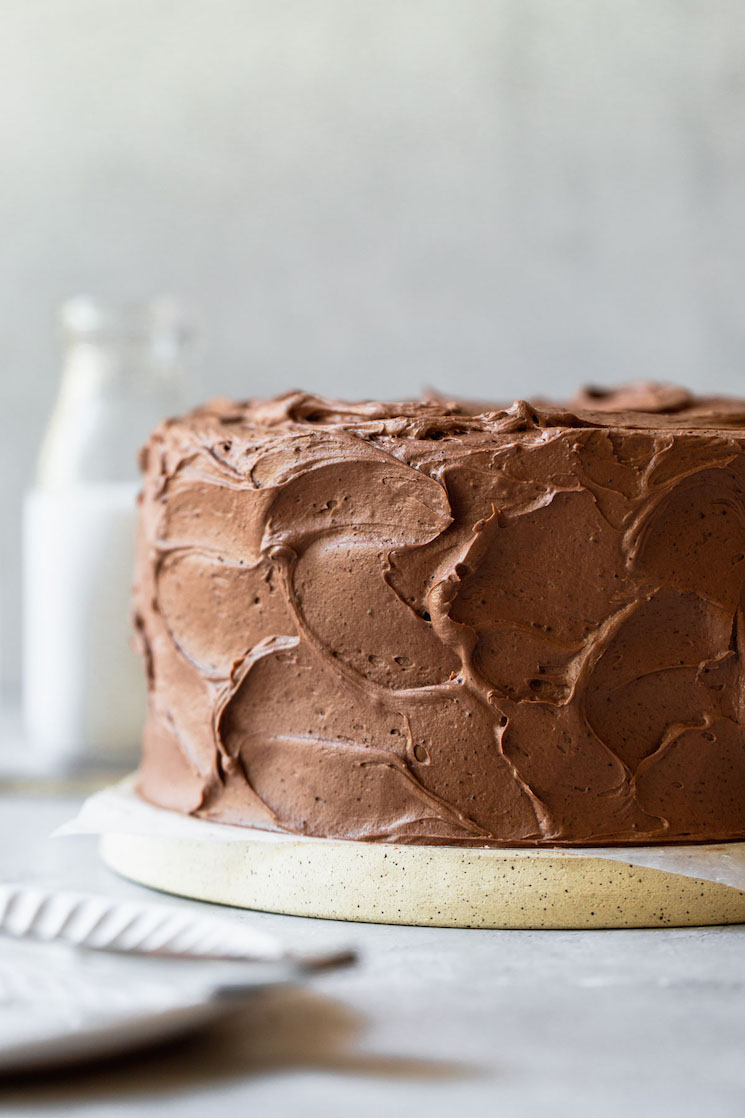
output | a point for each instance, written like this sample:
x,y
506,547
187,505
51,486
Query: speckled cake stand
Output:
x,y
441,886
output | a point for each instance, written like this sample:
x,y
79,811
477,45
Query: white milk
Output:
x,y
84,687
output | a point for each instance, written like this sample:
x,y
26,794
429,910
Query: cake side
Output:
x,y
412,623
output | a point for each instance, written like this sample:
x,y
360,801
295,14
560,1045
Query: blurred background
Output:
x,y
489,197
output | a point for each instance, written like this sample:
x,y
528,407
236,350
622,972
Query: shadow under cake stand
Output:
x,y
440,886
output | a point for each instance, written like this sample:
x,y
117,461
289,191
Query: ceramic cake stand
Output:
x,y
427,885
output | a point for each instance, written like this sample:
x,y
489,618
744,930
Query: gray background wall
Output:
x,y
367,196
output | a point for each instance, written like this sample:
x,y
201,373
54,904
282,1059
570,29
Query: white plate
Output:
x,y
59,1008
87,977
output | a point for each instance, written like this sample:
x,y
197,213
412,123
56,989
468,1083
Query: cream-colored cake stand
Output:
x,y
440,886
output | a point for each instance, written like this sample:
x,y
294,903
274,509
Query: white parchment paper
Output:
x,y
119,810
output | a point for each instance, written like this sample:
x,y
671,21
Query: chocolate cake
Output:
x,y
448,624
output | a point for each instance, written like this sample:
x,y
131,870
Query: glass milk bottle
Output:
x,y
123,371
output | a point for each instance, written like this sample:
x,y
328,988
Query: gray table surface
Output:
x,y
435,1021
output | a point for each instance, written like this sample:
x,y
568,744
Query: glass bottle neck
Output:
x,y
123,372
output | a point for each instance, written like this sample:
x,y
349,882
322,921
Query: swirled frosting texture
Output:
x,y
437,623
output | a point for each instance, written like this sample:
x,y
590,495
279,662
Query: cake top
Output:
x,y
641,405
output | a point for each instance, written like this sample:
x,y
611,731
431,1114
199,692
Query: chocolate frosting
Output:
x,y
438,622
